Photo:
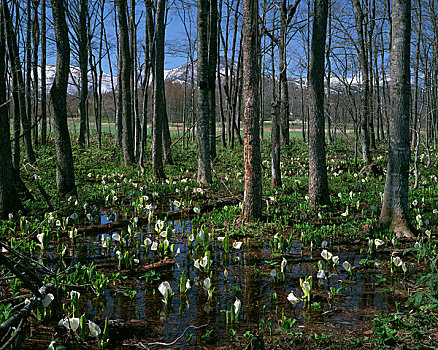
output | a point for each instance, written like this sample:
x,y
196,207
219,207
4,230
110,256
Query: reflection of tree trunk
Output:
x,y
9,200
318,184
14,57
252,199
395,199
65,177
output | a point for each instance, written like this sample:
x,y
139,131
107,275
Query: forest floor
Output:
x,y
132,263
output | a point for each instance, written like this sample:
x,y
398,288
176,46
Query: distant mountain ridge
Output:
x,y
175,75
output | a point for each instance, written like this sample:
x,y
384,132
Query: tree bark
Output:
x,y
43,75
204,119
318,184
9,200
284,89
125,88
65,175
159,103
14,57
35,40
212,65
394,213
252,197
83,66
365,139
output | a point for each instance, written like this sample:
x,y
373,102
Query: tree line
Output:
x,y
331,64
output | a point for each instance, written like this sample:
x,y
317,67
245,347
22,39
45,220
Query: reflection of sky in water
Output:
x,y
242,266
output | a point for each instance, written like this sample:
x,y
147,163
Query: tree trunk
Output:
x,y
14,57
35,40
43,75
65,176
159,103
9,200
125,88
204,119
284,89
28,60
212,64
395,199
83,66
364,131
318,184
252,197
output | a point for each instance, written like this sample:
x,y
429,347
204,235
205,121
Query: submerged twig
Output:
x,y
175,341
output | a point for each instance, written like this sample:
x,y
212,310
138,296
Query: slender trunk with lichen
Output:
x,y
252,197
125,88
65,175
203,125
394,213
365,98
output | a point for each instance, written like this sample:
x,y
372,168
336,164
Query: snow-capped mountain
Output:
x,y
184,73
74,80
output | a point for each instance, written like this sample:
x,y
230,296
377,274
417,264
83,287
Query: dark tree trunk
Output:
x,y
395,199
159,103
43,75
204,119
212,64
284,89
9,200
65,176
14,57
125,88
275,131
364,131
35,40
252,197
83,65
318,184
167,140
28,60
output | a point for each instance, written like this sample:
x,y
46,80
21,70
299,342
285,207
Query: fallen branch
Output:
x,y
25,311
158,265
175,341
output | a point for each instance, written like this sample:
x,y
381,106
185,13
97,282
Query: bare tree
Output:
x,y
125,79
395,199
212,65
18,83
252,197
318,184
203,127
43,75
159,101
363,58
83,66
65,176
9,200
